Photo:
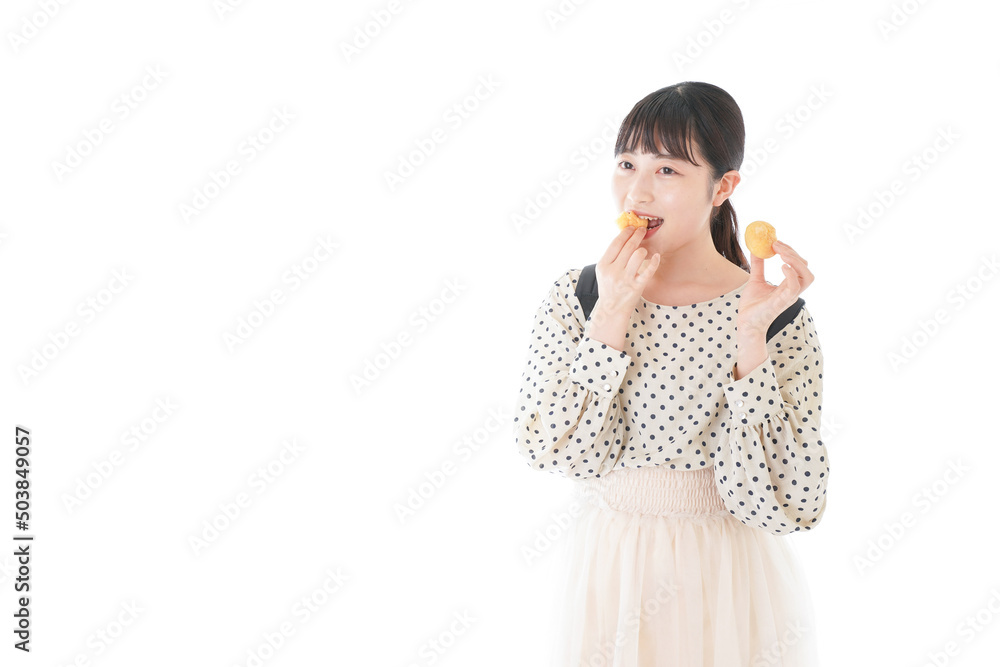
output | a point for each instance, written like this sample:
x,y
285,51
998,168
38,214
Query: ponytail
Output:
x,y
726,234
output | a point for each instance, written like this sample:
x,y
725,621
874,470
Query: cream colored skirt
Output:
x,y
659,573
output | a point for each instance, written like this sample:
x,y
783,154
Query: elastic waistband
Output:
x,y
656,490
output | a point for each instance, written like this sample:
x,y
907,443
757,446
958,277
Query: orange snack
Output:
x,y
759,236
630,219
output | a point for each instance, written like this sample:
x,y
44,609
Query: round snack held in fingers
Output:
x,y
759,236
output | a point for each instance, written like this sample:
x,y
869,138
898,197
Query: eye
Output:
x,y
626,162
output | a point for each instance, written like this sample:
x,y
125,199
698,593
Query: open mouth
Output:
x,y
652,223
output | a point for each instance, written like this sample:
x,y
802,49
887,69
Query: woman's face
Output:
x,y
672,189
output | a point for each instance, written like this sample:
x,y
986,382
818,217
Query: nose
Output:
x,y
640,190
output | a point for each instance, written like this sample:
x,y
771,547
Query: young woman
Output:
x,y
687,407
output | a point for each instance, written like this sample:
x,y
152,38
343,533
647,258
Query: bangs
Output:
x,y
660,120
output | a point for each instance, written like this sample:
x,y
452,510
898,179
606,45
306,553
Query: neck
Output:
x,y
695,263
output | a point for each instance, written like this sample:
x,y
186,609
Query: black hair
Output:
x,y
707,116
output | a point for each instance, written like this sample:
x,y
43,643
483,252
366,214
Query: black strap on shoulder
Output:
x,y
785,317
586,289
586,294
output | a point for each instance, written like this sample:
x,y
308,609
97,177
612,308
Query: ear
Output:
x,y
727,184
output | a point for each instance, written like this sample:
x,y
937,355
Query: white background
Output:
x,y
432,287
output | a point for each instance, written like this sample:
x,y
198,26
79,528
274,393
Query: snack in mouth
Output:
x,y
632,219
759,236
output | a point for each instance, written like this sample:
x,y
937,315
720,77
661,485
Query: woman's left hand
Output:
x,y
760,301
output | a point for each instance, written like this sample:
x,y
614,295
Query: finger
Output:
x,y
786,251
631,243
799,264
634,261
805,276
614,250
790,286
647,271
615,246
756,268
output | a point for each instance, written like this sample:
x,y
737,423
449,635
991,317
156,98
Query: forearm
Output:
x,y
751,351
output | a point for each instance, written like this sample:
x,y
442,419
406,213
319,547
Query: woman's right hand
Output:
x,y
621,276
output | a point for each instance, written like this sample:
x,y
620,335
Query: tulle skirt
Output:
x,y
659,573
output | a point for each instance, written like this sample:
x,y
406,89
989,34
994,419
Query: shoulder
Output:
x,y
565,283
794,329
563,301
572,276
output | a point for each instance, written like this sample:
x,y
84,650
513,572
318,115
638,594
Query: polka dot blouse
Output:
x,y
670,399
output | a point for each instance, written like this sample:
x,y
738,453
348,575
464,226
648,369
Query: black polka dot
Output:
x,y
671,397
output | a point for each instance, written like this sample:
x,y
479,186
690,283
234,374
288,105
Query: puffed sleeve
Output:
x,y
568,418
772,469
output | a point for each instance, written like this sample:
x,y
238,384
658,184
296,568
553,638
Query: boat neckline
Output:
x,y
700,303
